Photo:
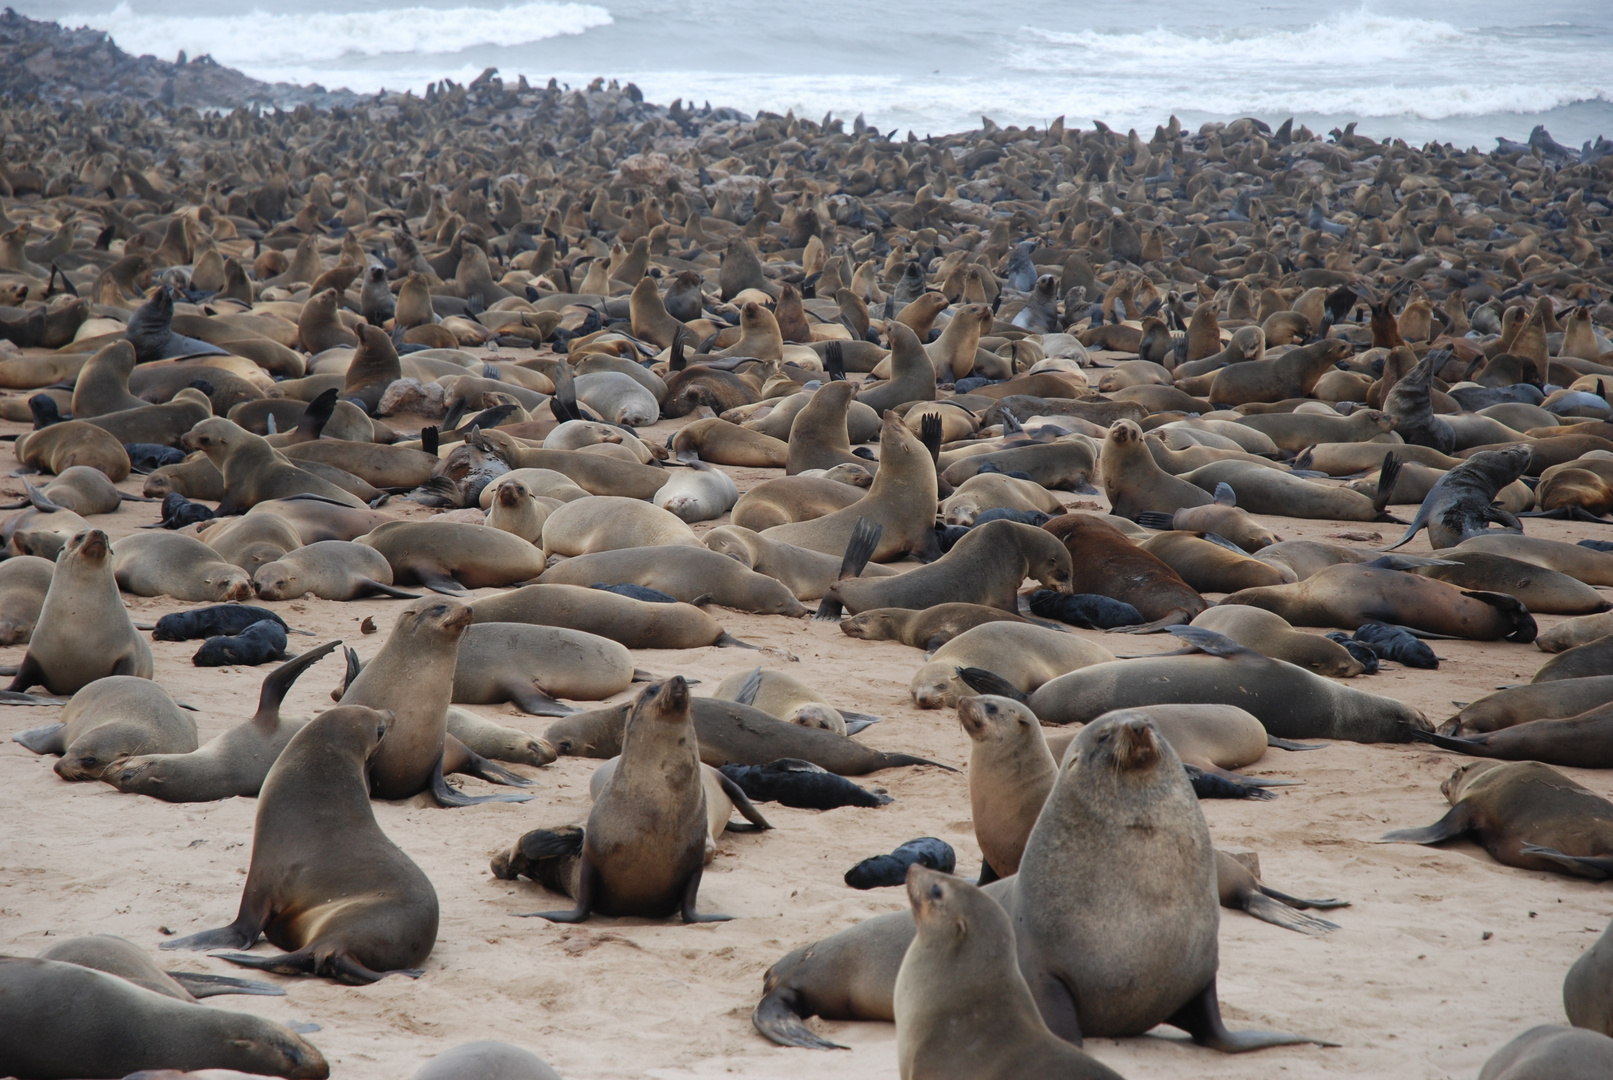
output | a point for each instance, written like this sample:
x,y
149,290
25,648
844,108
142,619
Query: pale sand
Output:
x,y
1409,986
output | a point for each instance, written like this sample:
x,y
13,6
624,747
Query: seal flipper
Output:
x,y
370,585
1208,641
530,699
987,874
436,578
1456,822
45,739
29,674
729,641
1472,747
1266,909
690,891
856,721
1201,1018
859,549
40,500
201,986
1053,999
1524,629
1596,867
1296,902
459,758
930,436
749,688
1157,520
278,683
778,1017
742,803
1388,474
450,796
1208,785
1289,744
982,681
587,882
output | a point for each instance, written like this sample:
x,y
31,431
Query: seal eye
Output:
x,y
935,892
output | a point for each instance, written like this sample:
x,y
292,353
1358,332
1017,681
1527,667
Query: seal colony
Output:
x,y
560,410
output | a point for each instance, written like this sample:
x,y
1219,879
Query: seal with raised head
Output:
x,y
643,849
1527,815
325,883
1461,503
1011,770
962,1008
45,1007
84,632
254,471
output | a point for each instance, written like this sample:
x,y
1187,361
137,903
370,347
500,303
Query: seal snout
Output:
x,y
926,890
674,694
1136,746
93,544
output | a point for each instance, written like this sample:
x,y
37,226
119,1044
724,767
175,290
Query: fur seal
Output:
x,y
1271,635
697,492
1011,770
633,623
250,541
123,958
59,447
643,849
723,796
900,503
1350,594
109,720
1552,1053
731,734
818,435
330,570
44,1005
684,573
102,385
788,699
253,471
1588,989
413,677
1105,562
325,883
788,499
80,489
807,574
1460,505
912,375
173,564
1590,566
1291,702
257,644
1208,566
990,491
233,763
961,1004
1556,699
986,567
923,628
1027,656
1527,815
715,439
532,665
1067,464
1565,635
24,581
452,556
1581,741
1541,590
84,632
487,1060
612,523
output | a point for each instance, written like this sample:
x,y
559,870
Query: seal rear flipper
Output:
x,y
1456,822
28,674
13,697
1268,910
447,795
1225,496
1289,744
201,986
1597,867
436,578
860,548
1408,562
1208,785
1157,520
749,688
1388,474
930,436
40,500
1474,747
370,585
729,641
778,1017
982,681
742,803
1208,641
279,682
317,415
1201,1018
856,721
45,739
529,699
1524,629
292,963
1297,902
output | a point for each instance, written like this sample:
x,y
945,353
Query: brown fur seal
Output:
x,y
643,849
912,374
374,367
1292,375
452,556
254,471
962,1008
684,573
1527,815
488,1060
1011,770
986,567
818,437
325,883
1295,431
250,541
900,503
716,440
164,424
731,734
107,721
1027,656
923,628
319,328
80,489
330,570
1565,635
722,798
59,447
1584,741
1591,567
232,764
795,498
1066,464
1552,1053
84,632
1271,635
1542,591
413,677
1556,699
785,698
532,665
593,473
1588,989
636,624
611,523
375,463
1459,505
24,581
990,491
173,564
1291,702
44,1005
103,383
1208,566
316,520
807,574
128,961
1135,484
1349,595
1105,562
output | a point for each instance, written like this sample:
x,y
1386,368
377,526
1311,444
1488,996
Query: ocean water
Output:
x,y
1463,72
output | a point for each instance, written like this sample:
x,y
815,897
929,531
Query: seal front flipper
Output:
x,y
1266,909
1289,744
530,699
1053,999
1201,1018
451,796
587,882
46,739
690,892
1208,641
241,934
1473,747
201,986
436,578
856,721
982,681
1524,629
1456,822
459,758
1596,867
750,688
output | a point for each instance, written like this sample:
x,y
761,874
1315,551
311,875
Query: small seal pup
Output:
x,y
963,1010
325,883
84,632
46,1007
643,849
1552,1053
1527,815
